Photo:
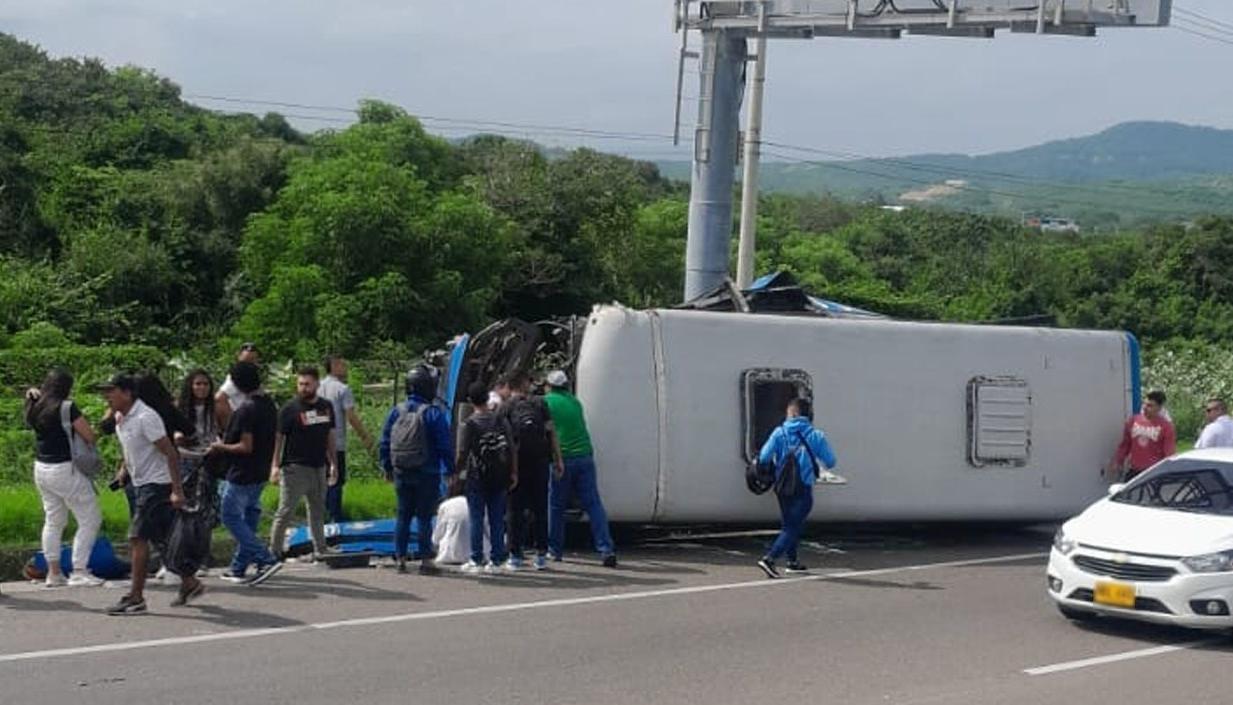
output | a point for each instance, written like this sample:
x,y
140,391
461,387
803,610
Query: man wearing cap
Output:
x,y
154,468
578,477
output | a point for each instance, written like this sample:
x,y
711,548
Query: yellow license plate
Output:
x,y
1115,594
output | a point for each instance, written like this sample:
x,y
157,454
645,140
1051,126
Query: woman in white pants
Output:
x,y
62,488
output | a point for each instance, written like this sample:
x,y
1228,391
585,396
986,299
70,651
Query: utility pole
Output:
x,y
715,142
753,155
724,26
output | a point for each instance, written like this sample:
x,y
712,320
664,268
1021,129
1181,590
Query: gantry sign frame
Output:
x,y
726,26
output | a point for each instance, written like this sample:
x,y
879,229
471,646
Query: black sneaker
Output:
x,y
265,572
427,567
127,605
402,564
182,598
768,566
796,568
610,560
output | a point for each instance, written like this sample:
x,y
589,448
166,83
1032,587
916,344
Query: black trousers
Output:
x,y
529,505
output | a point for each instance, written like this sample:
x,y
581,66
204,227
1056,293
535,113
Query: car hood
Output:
x,y
1165,532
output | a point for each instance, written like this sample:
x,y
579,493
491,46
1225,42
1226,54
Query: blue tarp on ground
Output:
x,y
376,536
103,561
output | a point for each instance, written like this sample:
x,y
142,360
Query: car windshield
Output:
x,y
1183,485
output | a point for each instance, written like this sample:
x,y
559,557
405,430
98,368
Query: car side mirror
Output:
x,y
1116,487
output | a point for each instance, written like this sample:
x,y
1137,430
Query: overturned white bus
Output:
x,y
930,422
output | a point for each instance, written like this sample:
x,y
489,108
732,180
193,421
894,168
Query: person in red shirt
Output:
x,y
1147,439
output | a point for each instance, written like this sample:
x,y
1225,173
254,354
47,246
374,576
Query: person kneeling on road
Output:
x,y
488,463
797,449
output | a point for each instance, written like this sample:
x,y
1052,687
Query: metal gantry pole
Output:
x,y
753,154
713,176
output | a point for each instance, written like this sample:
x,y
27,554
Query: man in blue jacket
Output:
x,y
415,449
796,446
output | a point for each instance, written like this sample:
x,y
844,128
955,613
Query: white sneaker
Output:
x,y
161,575
513,565
55,581
84,578
491,568
471,568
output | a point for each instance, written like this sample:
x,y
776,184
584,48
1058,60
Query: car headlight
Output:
x,y
1063,544
1221,562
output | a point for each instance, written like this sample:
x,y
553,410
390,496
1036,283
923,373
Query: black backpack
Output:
x,y
490,455
528,418
789,483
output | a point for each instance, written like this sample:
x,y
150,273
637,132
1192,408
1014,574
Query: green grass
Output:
x,y
21,510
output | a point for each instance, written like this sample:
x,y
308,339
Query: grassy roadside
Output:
x,y
21,510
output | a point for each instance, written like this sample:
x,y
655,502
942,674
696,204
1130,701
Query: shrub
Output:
x,y
23,367
1189,372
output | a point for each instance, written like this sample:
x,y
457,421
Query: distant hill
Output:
x,y
1130,172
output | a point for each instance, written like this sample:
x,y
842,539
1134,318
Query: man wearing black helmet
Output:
x,y
415,449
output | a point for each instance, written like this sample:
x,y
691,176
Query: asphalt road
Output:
x,y
888,616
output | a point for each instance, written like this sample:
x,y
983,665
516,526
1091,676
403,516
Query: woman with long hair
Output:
x,y
196,405
62,488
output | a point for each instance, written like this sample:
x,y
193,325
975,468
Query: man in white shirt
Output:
x,y
334,389
153,467
1218,433
229,397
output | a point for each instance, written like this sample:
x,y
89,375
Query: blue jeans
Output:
x,y
241,515
417,494
334,495
794,510
491,502
579,480
481,500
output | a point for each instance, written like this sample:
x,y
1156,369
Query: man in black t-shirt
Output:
x,y
247,447
302,454
537,449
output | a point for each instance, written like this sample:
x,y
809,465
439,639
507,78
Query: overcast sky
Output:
x,y
612,66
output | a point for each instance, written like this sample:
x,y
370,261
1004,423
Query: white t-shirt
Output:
x,y
339,394
235,398
1217,434
138,431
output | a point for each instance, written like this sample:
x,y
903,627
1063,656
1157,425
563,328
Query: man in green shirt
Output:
x,y
578,479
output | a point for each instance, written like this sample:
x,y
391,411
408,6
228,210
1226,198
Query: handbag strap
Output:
x,y
66,413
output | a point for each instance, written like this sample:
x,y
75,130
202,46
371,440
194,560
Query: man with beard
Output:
x,y
305,463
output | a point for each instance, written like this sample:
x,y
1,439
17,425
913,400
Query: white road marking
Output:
x,y
492,609
1114,658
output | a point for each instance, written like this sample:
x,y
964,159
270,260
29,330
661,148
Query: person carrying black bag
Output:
x,y
798,452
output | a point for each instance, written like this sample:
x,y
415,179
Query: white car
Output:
x,y
1157,549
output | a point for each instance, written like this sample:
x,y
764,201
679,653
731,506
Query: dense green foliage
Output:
x,y
130,217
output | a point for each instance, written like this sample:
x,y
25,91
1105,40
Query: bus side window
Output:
x,y
765,393
999,422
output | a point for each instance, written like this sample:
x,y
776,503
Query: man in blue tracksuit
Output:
x,y
796,440
418,488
